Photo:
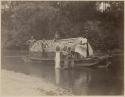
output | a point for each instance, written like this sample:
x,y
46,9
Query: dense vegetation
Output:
x,y
21,20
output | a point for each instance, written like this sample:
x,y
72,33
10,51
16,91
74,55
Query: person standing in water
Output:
x,y
57,66
57,58
57,51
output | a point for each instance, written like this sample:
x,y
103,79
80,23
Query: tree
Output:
x,y
41,19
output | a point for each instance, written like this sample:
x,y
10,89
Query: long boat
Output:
x,y
80,46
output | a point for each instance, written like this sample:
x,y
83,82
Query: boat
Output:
x,y
83,52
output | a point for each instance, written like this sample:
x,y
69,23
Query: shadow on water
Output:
x,y
80,80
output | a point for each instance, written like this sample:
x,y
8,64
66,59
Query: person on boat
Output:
x,y
57,36
44,45
71,57
65,57
31,41
82,48
68,58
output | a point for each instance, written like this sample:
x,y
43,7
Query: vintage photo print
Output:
x,y
62,48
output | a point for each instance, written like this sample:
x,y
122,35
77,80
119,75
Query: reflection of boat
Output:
x,y
83,51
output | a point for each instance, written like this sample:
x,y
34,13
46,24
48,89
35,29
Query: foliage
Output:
x,y
41,19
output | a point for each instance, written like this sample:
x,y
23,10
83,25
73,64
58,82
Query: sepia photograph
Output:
x,y
62,48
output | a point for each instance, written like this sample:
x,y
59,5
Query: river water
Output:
x,y
80,80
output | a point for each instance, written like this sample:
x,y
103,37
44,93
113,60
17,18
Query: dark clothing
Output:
x,y
44,45
69,60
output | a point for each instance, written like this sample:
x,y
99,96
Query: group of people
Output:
x,y
31,42
69,58
67,55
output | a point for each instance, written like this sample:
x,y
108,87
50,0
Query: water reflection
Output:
x,y
58,76
89,81
80,80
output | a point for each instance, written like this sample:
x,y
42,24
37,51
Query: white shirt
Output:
x,y
57,60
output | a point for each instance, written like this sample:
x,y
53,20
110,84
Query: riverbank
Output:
x,y
15,84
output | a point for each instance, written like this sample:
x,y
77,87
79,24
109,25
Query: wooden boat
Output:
x,y
87,59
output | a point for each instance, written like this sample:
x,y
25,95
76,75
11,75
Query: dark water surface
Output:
x,y
81,81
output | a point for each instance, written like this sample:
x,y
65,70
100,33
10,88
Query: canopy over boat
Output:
x,y
79,45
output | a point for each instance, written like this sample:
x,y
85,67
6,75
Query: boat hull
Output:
x,y
89,61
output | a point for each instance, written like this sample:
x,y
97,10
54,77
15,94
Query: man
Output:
x,y
31,41
68,59
44,45
57,58
56,37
